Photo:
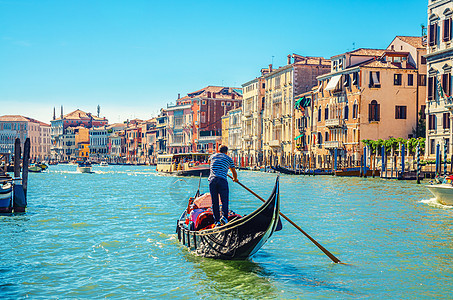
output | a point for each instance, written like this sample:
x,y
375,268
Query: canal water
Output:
x,y
111,234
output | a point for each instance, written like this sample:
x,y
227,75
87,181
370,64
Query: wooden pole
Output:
x,y
17,156
330,255
418,163
25,165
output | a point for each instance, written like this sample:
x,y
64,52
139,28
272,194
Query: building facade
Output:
x,y
439,91
281,87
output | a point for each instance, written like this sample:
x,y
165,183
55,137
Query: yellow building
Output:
x,y
369,94
281,87
225,129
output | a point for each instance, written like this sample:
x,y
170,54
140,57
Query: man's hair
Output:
x,y
223,149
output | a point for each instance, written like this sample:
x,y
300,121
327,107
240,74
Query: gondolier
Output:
x,y
218,184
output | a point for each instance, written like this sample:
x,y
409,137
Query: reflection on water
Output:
x,y
112,234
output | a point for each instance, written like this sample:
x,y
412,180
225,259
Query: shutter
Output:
x,y
430,35
446,34
436,28
370,112
430,88
378,112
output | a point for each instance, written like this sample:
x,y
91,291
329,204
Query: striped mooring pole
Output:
x,y
418,163
445,159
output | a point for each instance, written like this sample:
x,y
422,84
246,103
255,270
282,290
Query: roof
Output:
x,y
364,52
387,65
222,90
19,118
79,114
416,41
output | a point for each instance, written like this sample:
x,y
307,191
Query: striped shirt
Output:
x,y
220,163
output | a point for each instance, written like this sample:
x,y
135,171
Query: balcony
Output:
x,y
332,123
333,144
208,138
274,143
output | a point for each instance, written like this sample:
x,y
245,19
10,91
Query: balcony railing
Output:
x,y
332,144
334,123
208,138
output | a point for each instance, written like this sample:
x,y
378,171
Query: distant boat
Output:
x,y
35,168
184,164
103,164
84,167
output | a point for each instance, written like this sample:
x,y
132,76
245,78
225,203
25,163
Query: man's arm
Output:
x,y
235,175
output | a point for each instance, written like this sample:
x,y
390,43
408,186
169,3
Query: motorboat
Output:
x,y
443,192
84,167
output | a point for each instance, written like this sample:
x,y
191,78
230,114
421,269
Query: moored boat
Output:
x,y
240,238
184,164
6,191
103,164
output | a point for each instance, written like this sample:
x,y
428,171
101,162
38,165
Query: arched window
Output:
x,y
326,113
346,112
355,111
373,111
319,114
326,139
319,138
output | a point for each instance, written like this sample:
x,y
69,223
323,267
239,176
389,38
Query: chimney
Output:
x,y
179,95
61,112
404,64
289,59
270,68
54,112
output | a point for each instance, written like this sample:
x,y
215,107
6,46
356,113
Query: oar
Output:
x,y
326,252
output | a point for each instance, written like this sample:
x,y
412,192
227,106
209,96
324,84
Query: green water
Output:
x,y
111,234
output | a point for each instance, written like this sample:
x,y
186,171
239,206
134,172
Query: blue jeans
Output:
x,y
219,187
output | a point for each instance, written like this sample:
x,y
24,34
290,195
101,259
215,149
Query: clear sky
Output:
x,y
134,57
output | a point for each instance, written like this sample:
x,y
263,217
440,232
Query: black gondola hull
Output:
x,y
240,238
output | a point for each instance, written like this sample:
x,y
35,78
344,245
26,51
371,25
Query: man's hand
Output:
x,y
235,179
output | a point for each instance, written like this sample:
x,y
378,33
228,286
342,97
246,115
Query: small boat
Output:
x,y
6,190
35,168
43,166
443,191
103,164
240,238
84,167
284,170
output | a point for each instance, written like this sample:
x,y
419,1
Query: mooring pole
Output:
x,y
445,159
25,165
17,156
418,163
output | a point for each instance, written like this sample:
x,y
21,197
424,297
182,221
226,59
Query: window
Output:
x,y
447,30
446,120
347,80
431,88
355,78
432,122
326,139
397,79
432,146
346,112
203,102
410,79
326,113
421,80
355,111
422,112
375,80
432,34
319,114
423,60
446,84
400,112
373,111
319,138
264,85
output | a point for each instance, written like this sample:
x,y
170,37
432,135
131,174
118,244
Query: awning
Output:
x,y
299,136
298,102
333,82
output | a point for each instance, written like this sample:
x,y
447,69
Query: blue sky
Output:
x,y
134,57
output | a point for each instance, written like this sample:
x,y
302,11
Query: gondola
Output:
x,y
238,239
284,170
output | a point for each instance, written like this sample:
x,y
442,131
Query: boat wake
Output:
x,y
433,202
